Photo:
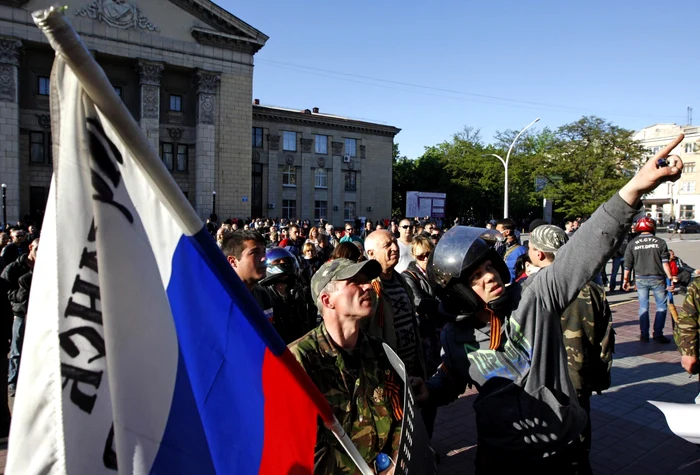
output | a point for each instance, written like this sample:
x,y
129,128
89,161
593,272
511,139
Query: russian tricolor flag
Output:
x,y
144,353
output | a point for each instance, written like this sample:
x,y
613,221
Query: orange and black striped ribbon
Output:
x,y
394,392
495,331
380,305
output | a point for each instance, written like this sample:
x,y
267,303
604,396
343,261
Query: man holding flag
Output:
x,y
350,367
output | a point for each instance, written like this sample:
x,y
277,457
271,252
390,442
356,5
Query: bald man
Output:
x,y
395,319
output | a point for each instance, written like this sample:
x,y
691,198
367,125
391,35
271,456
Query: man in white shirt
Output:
x,y
404,241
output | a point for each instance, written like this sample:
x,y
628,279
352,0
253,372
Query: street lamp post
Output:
x,y
4,205
213,202
505,165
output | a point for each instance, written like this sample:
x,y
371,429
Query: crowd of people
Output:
x,y
526,323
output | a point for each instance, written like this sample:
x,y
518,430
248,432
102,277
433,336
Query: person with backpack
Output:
x,y
589,338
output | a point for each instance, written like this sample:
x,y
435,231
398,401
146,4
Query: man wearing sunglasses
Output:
x,y
350,235
404,241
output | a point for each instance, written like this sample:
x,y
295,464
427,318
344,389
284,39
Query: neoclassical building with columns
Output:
x,y
184,68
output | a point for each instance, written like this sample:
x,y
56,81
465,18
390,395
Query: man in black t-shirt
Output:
x,y
648,256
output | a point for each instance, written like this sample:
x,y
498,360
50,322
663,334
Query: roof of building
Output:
x,y
313,117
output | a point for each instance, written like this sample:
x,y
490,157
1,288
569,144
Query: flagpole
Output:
x,y
66,43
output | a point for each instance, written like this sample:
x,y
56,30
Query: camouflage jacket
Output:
x,y
588,339
367,405
688,327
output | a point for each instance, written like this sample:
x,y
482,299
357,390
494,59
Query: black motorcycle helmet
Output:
x,y
280,263
455,257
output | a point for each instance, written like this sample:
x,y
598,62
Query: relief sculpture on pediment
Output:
x,y
118,14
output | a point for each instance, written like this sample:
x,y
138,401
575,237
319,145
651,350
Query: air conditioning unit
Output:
x,y
336,208
369,208
270,206
346,158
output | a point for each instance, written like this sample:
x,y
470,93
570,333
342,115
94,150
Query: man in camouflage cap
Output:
x,y
587,327
687,330
350,367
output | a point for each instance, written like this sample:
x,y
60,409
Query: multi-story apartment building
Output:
x,y
679,200
314,165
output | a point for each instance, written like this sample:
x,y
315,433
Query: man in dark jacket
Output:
x,y
18,294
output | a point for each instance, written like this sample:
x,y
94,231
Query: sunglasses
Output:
x,y
424,256
406,226
348,229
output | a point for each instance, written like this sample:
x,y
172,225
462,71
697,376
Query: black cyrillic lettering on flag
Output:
x,y
93,231
101,156
79,375
89,259
98,128
90,334
109,456
75,309
105,195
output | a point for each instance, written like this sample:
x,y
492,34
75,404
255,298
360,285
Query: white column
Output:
x,y
9,124
149,80
205,131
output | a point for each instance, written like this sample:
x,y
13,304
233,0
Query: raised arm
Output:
x,y
594,243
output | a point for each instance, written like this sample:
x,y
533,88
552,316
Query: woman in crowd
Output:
x,y
426,304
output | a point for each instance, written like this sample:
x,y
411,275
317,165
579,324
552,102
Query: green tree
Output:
x,y
404,178
584,163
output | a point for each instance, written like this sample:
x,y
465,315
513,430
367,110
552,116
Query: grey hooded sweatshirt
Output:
x,y
526,401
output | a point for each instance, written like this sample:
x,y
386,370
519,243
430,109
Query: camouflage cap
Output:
x,y
548,238
342,269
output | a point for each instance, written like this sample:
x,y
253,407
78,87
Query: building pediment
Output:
x,y
223,27
187,20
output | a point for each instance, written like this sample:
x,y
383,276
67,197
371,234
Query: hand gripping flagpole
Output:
x,y
66,42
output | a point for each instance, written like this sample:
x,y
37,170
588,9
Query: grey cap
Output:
x,y
342,269
548,238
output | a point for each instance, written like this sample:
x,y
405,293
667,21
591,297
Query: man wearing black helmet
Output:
x,y
293,312
507,342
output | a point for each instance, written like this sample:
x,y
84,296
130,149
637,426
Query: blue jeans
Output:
x,y
617,263
658,286
15,351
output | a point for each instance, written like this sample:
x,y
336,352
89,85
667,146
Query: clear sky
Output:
x,y
433,67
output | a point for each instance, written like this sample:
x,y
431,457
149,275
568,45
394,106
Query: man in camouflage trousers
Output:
x,y
687,330
586,324
350,368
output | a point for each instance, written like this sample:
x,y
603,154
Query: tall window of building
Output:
x,y
689,148
181,158
687,212
289,141
257,137
36,147
321,178
289,209
689,167
289,175
321,144
688,186
349,210
44,86
166,149
350,181
351,147
175,103
320,210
